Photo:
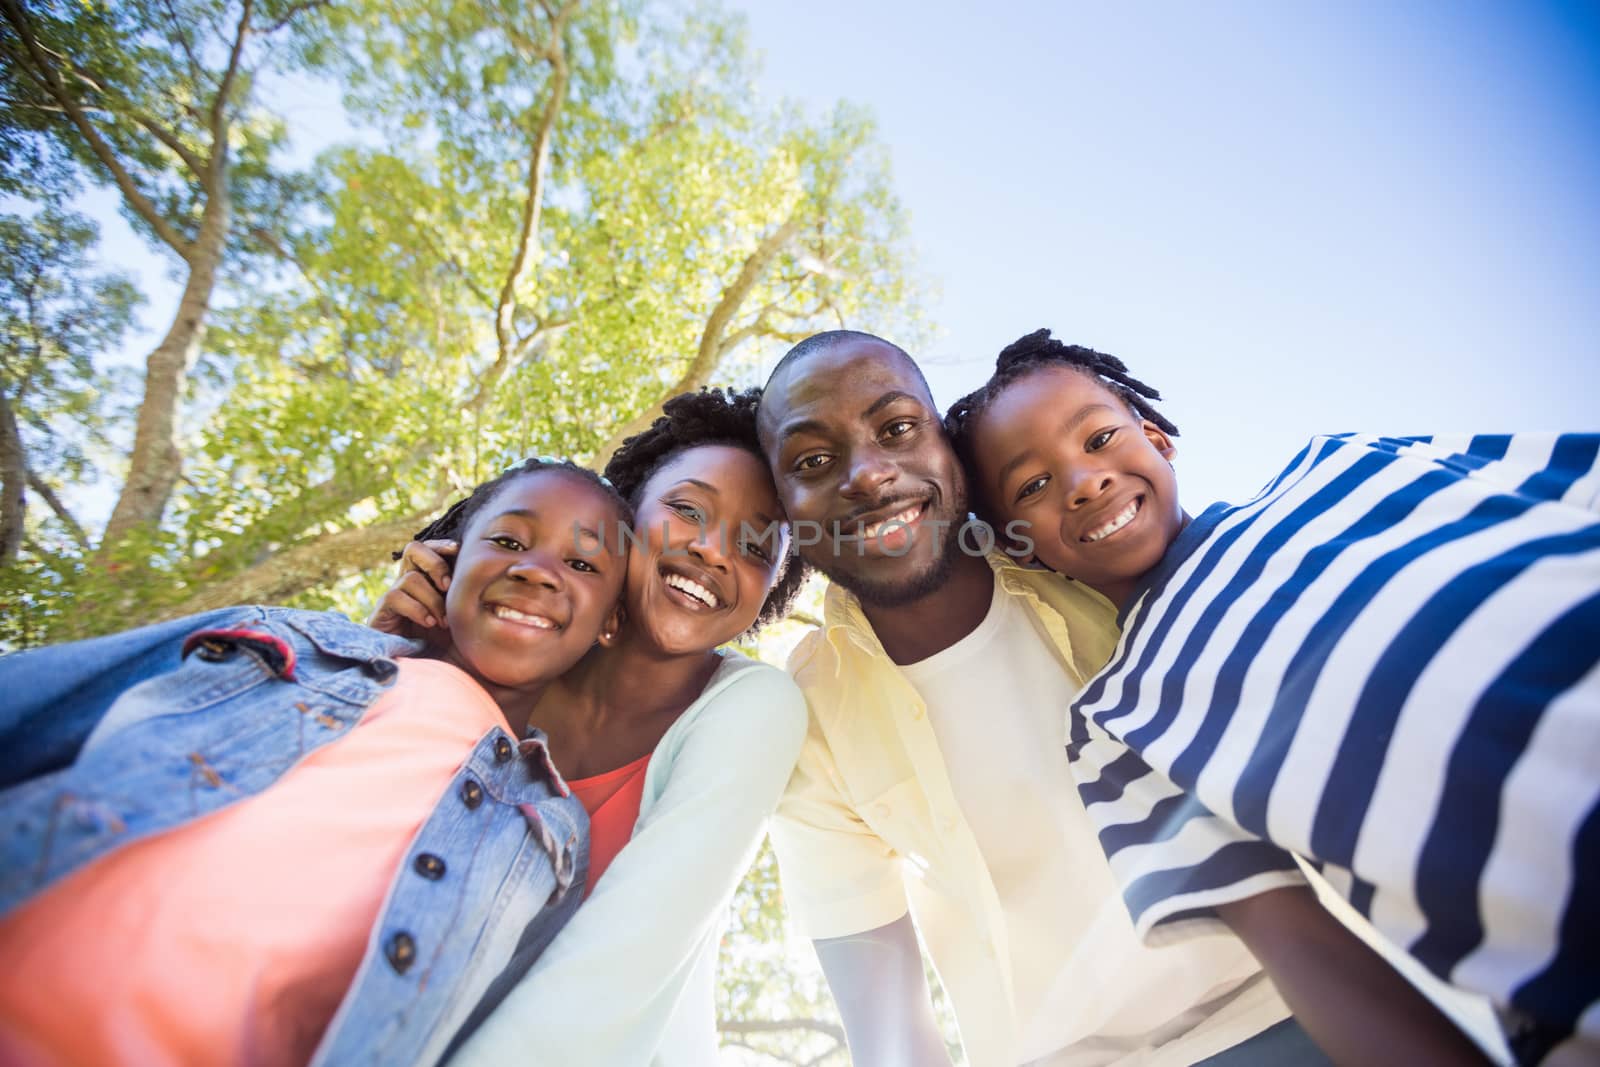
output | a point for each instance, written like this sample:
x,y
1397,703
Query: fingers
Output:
x,y
429,558
411,607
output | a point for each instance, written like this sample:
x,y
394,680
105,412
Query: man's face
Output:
x,y
859,455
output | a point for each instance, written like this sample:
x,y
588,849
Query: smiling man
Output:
x,y
933,782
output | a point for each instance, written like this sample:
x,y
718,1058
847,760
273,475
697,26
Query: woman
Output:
x,y
679,750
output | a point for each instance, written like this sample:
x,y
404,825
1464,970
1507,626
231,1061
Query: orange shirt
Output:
x,y
232,939
612,801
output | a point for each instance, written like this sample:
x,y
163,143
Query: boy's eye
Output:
x,y
505,541
583,565
1035,486
1100,440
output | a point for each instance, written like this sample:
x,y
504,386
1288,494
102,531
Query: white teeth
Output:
x,y
500,611
694,589
904,518
1118,521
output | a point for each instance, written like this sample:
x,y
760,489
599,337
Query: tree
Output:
x,y
56,315
154,98
575,212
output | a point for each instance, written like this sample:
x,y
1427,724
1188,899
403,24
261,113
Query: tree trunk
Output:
x,y
156,461
13,476
306,566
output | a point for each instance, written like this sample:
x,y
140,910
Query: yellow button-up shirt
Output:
x,y
869,823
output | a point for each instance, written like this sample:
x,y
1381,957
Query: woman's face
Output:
x,y
710,540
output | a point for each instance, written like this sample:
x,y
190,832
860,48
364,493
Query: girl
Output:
x,y
274,836
678,747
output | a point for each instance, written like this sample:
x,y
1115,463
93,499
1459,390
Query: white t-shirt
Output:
x,y
1087,991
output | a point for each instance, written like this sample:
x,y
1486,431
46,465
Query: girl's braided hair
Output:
x,y
453,523
689,420
1033,352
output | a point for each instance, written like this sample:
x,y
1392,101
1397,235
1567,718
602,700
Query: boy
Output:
x,y
1387,663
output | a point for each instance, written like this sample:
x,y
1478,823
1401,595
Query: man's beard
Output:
x,y
905,591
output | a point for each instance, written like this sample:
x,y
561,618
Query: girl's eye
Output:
x,y
815,461
1100,440
1035,486
583,565
510,544
899,427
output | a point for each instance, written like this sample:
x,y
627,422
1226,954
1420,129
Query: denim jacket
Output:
x,y
108,741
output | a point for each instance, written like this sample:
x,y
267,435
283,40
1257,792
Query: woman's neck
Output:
x,y
632,680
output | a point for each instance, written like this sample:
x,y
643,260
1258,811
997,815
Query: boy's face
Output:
x,y
1060,451
535,583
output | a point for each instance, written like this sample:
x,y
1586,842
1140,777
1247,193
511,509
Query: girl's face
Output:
x,y
536,581
1063,462
710,540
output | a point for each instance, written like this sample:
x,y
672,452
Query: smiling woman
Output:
x,y
678,749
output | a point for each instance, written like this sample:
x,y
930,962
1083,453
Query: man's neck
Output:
x,y
932,623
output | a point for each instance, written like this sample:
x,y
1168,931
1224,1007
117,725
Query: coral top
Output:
x,y
612,801
232,939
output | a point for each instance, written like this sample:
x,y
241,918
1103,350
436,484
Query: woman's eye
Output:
x,y
583,565
510,544
1035,486
756,549
688,511
1100,440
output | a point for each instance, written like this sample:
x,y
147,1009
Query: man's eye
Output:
x,y
1100,440
899,427
1035,486
815,461
510,544
583,565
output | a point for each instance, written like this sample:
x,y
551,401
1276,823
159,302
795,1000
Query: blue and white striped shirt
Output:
x,y
1387,663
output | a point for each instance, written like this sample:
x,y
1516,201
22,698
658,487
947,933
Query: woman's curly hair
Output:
x,y
689,420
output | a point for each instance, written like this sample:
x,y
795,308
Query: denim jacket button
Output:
x,y
429,866
471,793
502,748
401,952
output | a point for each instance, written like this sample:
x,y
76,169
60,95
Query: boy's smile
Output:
x,y
1063,453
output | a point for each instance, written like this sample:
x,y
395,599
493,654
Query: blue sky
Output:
x,y
1292,219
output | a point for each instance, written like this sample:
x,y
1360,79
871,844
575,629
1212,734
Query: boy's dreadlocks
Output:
x,y
689,420
1034,351
453,523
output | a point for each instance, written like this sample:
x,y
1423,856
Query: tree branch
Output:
x,y
219,104
48,495
526,250
45,73
709,354
304,566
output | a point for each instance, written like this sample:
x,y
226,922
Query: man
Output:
x,y
933,781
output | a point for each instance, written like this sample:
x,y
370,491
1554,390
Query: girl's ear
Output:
x,y
613,624
1159,439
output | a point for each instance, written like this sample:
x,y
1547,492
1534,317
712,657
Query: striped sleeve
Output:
x,y
1175,860
1388,664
